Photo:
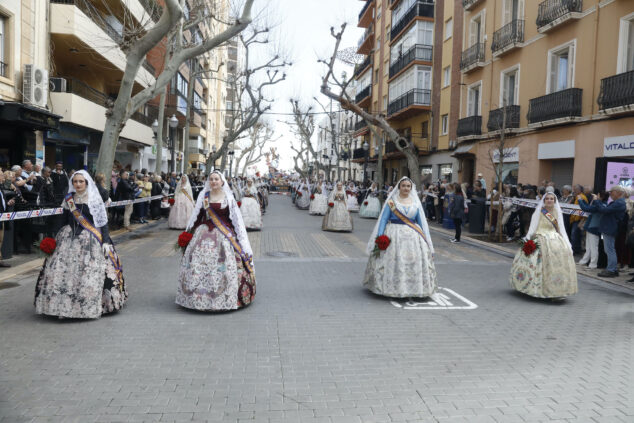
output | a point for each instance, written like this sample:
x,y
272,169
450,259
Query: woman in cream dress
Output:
x,y
550,271
303,196
406,268
250,207
337,217
319,205
371,207
351,197
183,207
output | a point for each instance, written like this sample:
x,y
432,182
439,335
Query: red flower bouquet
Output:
x,y
365,203
299,193
331,204
239,203
48,245
529,247
171,201
380,244
183,240
312,197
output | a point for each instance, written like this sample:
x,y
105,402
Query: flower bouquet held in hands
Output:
x,y
331,205
183,241
312,197
380,244
528,246
171,201
239,203
365,203
48,245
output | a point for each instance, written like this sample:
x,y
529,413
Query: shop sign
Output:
x,y
40,119
427,170
618,146
510,155
446,170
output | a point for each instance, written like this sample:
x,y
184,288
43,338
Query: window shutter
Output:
x,y
474,33
553,60
571,66
507,12
470,102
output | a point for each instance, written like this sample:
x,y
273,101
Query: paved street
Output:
x,y
316,347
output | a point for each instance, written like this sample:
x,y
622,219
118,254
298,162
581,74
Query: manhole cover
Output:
x,y
280,254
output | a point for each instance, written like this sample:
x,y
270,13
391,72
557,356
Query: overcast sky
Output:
x,y
302,33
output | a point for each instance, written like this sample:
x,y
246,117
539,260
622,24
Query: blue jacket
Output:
x,y
611,214
593,221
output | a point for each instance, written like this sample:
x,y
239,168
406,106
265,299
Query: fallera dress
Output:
x,y
303,199
250,210
181,211
337,218
353,203
78,280
550,271
406,268
319,205
213,276
371,207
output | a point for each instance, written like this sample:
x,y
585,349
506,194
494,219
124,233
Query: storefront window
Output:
x,y
446,172
510,172
426,174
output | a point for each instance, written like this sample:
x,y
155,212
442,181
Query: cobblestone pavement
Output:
x,y
316,347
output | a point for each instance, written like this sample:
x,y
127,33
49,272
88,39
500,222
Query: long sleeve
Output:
x,y
105,234
383,222
612,208
590,208
419,219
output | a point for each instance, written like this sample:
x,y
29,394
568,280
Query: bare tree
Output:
x,y
138,43
335,88
260,135
303,126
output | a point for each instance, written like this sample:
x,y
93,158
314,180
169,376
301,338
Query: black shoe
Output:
x,y
608,274
630,280
3,264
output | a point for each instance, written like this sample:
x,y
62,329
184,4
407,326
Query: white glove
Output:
x,y
106,248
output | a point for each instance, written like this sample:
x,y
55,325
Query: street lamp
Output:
x,y
173,123
230,153
366,147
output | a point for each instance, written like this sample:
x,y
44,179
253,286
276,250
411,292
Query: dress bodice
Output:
x,y
78,229
222,211
340,197
408,210
545,227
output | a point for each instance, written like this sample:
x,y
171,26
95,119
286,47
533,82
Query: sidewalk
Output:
x,y
508,249
23,263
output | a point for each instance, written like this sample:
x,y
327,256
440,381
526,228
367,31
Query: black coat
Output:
x,y
124,190
60,184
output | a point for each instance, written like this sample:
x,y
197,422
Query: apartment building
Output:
x,y
557,75
25,114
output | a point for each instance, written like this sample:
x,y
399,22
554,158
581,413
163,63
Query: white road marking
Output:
x,y
444,299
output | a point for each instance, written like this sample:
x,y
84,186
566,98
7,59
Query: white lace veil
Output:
x,y
413,195
234,213
187,186
558,215
253,190
94,201
331,197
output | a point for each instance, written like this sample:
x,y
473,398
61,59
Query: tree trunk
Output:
x,y
379,168
188,114
159,133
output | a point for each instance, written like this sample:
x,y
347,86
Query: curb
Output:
x,y
504,252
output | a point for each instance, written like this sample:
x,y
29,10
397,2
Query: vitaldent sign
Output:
x,y
618,146
511,155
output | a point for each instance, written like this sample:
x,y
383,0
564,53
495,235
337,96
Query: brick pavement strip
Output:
x,y
316,347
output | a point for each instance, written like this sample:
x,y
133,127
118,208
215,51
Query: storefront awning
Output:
x,y
464,150
30,116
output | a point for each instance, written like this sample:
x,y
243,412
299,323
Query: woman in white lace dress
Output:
x,y
83,277
371,206
351,193
183,207
337,218
406,268
250,207
319,203
549,272
303,196
216,271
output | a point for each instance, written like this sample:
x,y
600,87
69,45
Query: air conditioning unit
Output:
x,y
35,85
57,85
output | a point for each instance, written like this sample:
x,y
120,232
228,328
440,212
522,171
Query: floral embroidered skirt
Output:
x,y
78,281
405,269
372,210
180,212
547,273
318,206
303,201
353,204
251,213
212,276
337,218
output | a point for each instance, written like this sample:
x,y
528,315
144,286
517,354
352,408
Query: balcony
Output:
x,y
422,8
407,104
390,147
617,93
366,42
418,52
473,57
552,13
362,124
359,153
469,126
3,69
84,106
361,68
364,96
470,4
552,109
152,8
508,37
496,118
365,16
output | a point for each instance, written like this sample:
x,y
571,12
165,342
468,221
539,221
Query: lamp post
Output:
x,y
173,123
366,148
213,151
230,153
155,131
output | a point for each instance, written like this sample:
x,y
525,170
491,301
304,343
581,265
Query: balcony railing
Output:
x,y
617,91
509,34
416,52
469,4
148,67
415,97
496,118
390,147
358,153
551,10
361,67
360,125
3,69
363,94
472,55
559,105
368,32
421,8
365,8
471,125
94,15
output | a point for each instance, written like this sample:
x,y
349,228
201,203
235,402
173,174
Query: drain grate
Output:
x,y
280,254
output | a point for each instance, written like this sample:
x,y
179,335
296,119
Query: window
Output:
x,y
444,125
625,60
561,65
448,28
384,102
476,29
446,76
473,100
421,33
3,59
418,77
424,130
510,83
